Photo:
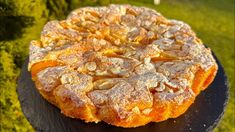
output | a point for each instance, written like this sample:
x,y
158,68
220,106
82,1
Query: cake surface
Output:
x,y
121,64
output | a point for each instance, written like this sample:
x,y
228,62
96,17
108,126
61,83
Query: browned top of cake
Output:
x,y
119,56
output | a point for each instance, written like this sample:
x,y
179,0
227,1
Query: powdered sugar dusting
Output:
x,y
121,56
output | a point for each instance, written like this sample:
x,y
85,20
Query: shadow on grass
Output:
x,y
12,26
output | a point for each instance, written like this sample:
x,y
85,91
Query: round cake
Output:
x,y
121,64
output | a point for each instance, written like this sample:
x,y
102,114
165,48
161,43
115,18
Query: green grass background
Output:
x,y
22,21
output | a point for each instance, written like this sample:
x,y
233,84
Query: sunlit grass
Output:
x,y
212,20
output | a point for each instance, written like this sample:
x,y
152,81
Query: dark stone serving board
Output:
x,y
203,115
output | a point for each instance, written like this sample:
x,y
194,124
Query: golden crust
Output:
x,y
121,64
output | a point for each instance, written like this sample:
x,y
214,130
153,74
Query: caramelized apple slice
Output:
x,y
164,57
203,79
37,67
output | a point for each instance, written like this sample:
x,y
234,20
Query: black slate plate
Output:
x,y
203,115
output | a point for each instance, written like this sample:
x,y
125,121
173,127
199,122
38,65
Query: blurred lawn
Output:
x,y
22,21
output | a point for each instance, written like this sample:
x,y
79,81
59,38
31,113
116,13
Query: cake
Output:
x,y
121,64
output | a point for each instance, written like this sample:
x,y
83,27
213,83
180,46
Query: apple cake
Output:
x,y
121,64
